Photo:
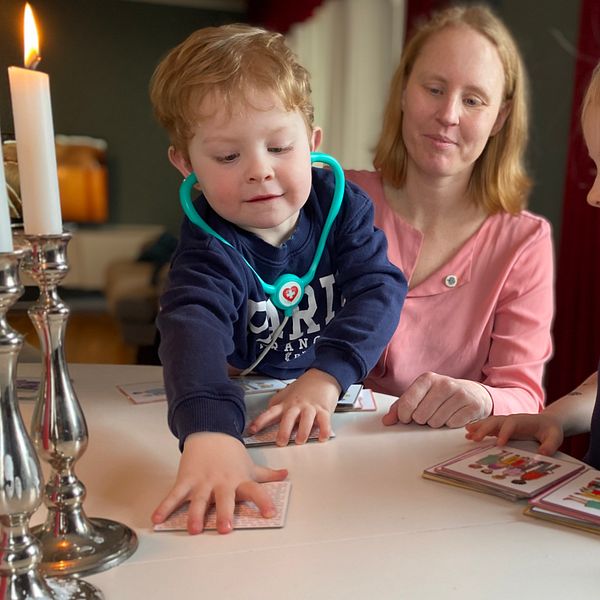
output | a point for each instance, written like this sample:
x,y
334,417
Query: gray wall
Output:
x,y
547,34
100,55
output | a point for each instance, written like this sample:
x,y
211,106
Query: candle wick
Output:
x,y
33,65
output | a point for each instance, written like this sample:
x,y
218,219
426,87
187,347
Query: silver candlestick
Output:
x,y
71,542
20,473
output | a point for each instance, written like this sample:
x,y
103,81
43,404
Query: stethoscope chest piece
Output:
x,y
287,292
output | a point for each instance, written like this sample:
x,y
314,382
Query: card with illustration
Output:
x,y
144,393
259,385
245,515
511,472
578,497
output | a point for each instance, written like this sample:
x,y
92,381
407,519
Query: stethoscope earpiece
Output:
x,y
287,291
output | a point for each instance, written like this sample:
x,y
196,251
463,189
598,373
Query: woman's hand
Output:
x,y
438,400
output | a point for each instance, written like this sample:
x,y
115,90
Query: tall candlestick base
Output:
x,y
71,542
21,492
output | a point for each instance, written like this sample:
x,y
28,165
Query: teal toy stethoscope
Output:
x,y
288,289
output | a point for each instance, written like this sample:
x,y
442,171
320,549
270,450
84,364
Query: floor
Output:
x,y
90,337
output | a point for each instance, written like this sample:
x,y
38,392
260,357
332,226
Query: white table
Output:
x,y
362,523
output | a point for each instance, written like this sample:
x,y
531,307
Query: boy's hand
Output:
x,y
217,467
542,427
309,400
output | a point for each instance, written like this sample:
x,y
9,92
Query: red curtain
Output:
x,y
577,322
280,16
420,10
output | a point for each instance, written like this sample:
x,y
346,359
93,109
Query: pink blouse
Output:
x,y
484,316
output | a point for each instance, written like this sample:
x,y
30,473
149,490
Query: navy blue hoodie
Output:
x,y
214,311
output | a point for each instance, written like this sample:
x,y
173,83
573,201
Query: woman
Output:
x,y
449,191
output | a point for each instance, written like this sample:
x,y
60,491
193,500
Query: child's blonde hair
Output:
x,y
499,181
227,62
592,93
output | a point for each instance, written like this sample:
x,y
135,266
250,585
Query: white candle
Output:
x,y
6,243
34,132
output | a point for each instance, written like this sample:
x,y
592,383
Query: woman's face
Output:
x,y
591,133
452,103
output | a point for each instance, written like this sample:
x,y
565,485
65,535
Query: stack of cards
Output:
x,y
575,502
355,399
256,404
245,516
507,472
257,393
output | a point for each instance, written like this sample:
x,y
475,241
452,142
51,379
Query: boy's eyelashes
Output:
x,y
228,158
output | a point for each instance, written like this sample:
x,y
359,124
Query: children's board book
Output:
x,y
245,515
504,471
575,503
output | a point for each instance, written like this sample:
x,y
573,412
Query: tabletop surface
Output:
x,y
361,522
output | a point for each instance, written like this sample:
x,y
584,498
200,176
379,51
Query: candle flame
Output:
x,y
32,44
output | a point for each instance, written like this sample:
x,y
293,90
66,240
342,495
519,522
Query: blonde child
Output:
x,y
578,411
237,107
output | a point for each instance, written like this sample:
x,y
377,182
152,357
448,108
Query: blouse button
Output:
x,y
451,281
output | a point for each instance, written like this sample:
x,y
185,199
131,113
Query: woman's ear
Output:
x,y
317,137
179,161
501,118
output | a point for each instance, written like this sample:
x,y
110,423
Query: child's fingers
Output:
x,y
551,442
254,492
324,423
480,429
264,474
196,513
270,416
506,431
172,500
391,418
286,425
225,505
305,426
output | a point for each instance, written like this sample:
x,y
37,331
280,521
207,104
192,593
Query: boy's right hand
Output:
x,y
542,427
217,467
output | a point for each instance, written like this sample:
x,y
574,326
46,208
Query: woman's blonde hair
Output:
x,y
226,63
499,181
592,93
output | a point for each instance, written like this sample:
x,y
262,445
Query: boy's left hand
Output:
x,y
309,400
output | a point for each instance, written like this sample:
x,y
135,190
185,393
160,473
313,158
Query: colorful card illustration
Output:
x,y
144,393
511,472
259,385
577,498
245,516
